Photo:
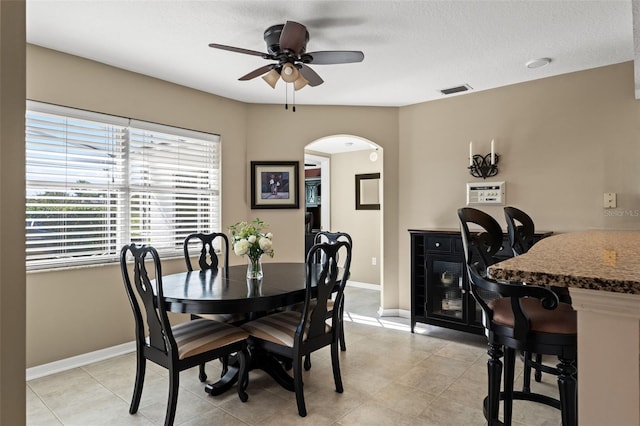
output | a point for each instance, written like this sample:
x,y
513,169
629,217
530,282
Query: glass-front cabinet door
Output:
x,y
445,294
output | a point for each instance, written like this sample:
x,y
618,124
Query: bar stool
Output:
x,y
523,318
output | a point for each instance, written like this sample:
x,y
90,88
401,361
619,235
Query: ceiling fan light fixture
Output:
x,y
300,83
271,78
289,73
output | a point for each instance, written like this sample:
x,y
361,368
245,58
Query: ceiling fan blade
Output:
x,y
257,72
311,76
239,50
293,37
329,57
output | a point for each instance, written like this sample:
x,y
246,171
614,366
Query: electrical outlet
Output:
x,y
374,261
609,200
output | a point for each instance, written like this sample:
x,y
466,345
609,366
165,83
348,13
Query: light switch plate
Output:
x,y
610,200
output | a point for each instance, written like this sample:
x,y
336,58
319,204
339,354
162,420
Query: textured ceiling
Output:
x,y
412,48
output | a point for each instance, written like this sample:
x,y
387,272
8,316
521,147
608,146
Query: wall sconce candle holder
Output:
x,y
483,167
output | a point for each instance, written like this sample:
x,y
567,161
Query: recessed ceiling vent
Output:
x,y
457,89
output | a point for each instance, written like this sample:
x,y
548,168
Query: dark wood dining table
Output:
x,y
229,291
223,291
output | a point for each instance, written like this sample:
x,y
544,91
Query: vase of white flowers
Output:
x,y
249,239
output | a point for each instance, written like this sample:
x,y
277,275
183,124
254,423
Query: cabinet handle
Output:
x,y
437,244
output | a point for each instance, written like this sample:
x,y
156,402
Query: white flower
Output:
x,y
241,247
249,239
265,244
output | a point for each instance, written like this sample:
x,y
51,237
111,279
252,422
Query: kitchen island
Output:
x,y
602,271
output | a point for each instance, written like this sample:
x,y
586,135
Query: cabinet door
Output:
x,y
445,288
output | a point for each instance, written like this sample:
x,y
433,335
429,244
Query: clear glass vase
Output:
x,y
254,267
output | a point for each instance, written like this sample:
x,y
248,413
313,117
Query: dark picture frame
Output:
x,y
274,185
367,191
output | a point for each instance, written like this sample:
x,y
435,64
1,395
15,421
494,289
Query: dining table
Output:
x,y
601,269
229,291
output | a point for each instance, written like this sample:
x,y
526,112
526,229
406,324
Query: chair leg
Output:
x,y
568,392
335,364
307,362
202,375
526,375
494,370
509,365
243,375
538,375
174,383
141,367
297,385
343,345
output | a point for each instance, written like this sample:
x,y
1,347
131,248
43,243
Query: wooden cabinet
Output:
x,y
439,284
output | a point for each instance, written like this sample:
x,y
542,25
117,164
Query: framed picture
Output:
x,y
274,185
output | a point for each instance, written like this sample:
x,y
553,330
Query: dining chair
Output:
x,y
175,348
205,246
294,334
332,238
524,318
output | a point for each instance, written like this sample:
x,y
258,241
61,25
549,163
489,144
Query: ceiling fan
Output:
x,y
286,44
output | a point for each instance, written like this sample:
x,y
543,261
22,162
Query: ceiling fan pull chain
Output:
x,y
286,96
294,100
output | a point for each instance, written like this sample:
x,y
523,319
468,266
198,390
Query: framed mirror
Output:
x,y
368,191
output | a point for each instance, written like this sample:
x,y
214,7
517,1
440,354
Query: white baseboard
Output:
x,y
79,360
102,354
402,313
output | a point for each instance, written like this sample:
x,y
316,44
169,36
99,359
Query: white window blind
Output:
x,y
174,184
96,182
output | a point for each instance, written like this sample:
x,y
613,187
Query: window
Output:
x,y
96,182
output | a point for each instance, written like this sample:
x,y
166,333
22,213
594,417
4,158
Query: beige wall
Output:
x,y
563,141
12,216
362,225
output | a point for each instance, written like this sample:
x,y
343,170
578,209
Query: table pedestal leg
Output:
x,y
258,360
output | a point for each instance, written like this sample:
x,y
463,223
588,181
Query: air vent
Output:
x,y
451,90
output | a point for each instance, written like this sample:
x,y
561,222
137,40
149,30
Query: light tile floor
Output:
x,y
391,377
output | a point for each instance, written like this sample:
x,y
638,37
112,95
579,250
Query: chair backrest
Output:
x,y
331,238
480,247
520,229
322,281
146,267
207,259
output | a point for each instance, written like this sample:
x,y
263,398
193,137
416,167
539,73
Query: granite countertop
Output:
x,y
597,260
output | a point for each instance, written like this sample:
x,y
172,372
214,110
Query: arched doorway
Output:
x,y
331,166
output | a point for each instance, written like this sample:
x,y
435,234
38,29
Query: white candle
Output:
x,y
493,154
471,153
